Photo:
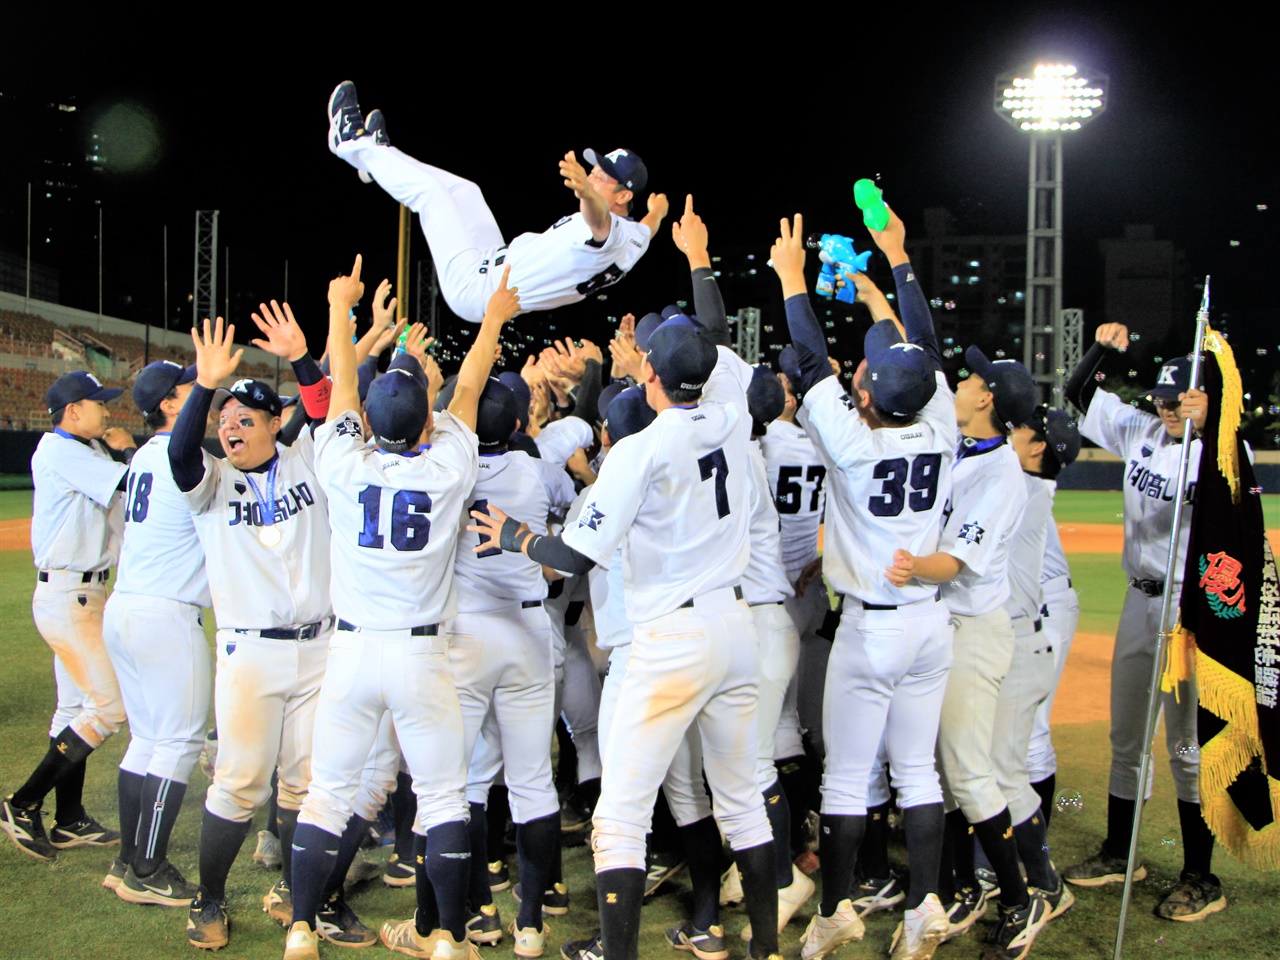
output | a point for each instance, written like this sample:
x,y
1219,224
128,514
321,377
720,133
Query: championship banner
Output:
x,y
1230,617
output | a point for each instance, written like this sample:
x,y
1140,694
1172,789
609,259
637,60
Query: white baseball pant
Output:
x,y
68,613
165,672
779,653
1062,613
808,613
885,680
371,673
1026,686
265,694
700,666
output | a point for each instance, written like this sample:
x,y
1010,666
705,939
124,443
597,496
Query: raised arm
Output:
x,y
690,235
503,305
917,320
787,257
215,361
1084,382
657,212
595,208
283,338
344,293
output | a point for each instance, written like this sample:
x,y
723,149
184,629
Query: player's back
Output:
x,y
493,578
564,264
162,555
797,477
886,489
394,521
76,516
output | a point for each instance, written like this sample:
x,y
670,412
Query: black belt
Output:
x,y
893,606
100,576
426,630
1039,625
737,593
1152,588
530,604
767,603
308,631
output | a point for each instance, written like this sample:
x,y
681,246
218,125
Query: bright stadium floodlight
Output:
x,y
1047,101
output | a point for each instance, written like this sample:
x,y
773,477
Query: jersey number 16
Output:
x,y
410,525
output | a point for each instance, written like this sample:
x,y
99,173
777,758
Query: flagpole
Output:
x,y
1166,627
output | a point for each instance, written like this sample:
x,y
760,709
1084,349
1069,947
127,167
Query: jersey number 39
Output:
x,y
410,525
921,472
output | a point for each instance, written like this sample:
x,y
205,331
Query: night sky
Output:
x,y
757,121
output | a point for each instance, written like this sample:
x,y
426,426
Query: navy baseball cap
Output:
x,y
644,329
900,376
76,386
1174,378
1062,434
606,398
495,413
156,381
681,357
670,310
515,383
628,413
397,410
765,398
1009,382
254,394
623,165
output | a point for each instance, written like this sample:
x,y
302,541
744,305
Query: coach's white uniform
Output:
x,y
266,688
395,521
797,477
500,641
153,628
1150,476
988,500
552,269
77,520
888,667
675,496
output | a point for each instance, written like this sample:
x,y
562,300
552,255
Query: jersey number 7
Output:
x,y
410,525
715,464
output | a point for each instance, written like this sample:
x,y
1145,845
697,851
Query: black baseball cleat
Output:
x,y
375,124
338,923
165,888
86,832
582,950
26,829
346,123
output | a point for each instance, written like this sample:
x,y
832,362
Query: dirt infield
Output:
x,y
15,534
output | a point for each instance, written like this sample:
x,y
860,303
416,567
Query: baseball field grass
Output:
x,y
60,910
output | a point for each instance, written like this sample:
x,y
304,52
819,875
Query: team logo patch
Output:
x,y
348,428
1166,375
1147,451
591,517
240,487
1220,581
971,533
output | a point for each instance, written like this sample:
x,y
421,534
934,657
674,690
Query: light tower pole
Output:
x,y
1048,101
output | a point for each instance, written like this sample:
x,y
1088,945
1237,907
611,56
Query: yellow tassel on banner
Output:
x,y
1232,408
1179,661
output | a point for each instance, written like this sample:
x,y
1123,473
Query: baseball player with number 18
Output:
x,y
76,526
580,255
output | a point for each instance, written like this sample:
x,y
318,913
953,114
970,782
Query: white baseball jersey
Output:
x,y
564,264
256,586
988,498
796,476
765,579
559,439
1027,549
1150,473
161,555
886,489
394,519
77,516
676,497
1055,558
494,578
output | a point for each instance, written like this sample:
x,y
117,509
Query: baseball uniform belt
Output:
x,y
426,630
93,576
530,604
307,631
767,603
737,593
1036,625
1152,588
894,606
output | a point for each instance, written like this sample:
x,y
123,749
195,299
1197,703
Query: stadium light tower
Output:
x,y
1048,101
